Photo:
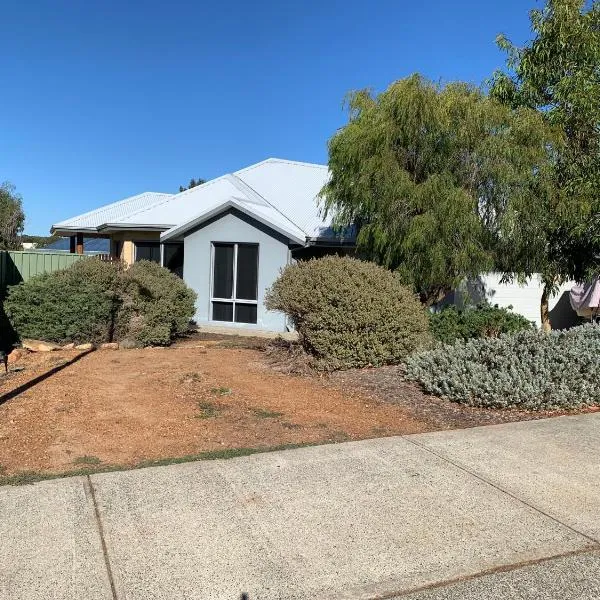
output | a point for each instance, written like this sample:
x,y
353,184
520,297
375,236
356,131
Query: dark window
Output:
x,y
245,313
223,271
247,272
147,251
235,282
223,311
173,258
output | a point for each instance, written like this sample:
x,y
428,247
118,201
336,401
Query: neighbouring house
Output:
x,y
91,245
228,238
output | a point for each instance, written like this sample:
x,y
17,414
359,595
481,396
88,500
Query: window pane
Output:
x,y
245,313
147,251
222,311
223,271
247,272
173,257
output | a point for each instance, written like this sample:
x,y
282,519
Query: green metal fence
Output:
x,y
17,266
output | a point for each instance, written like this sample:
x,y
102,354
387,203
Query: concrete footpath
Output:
x,y
507,511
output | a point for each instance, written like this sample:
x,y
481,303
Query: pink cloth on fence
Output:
x,y
585,299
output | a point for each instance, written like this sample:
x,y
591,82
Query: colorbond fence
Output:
x,y
17,266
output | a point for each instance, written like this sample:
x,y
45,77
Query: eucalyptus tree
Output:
x,y
426,173
12,217
557,232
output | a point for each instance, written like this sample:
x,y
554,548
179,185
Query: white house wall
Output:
x,y
273,255
524,299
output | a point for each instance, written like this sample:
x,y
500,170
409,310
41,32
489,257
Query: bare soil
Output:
x,y
120,407
62,410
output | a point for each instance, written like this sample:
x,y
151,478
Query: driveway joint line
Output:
x,y
98,520
595,542
480,574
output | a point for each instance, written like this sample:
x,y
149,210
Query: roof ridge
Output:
x,y
141,210
268,203
281,160
105,207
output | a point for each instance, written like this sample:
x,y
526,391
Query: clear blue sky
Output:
x,y
104,99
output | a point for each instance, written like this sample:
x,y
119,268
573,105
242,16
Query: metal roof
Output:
x,y
113,212
279,193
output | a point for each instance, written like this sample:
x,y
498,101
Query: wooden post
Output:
x,y
72,244
79,243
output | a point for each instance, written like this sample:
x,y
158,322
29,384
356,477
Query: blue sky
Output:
x,y
103,100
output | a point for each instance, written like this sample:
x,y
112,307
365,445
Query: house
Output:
x,y
228,238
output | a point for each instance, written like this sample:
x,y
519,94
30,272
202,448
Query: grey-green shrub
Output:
x,y
451,324
77,304
350,313
157,305
528,370
99,301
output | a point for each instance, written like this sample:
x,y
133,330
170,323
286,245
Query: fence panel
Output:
x,y
17,266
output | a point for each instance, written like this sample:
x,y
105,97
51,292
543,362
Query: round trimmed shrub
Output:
x,y
100,302
451,324
157,305
350,313
529,370
77,304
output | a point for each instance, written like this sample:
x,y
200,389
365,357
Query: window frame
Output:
x,y
147,242
233,300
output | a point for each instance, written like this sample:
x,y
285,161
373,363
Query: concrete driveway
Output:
x,y
507,511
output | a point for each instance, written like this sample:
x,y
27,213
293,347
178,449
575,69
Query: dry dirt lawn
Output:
x,y
121,407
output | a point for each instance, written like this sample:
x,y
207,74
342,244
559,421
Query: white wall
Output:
x,y
524,300
273,255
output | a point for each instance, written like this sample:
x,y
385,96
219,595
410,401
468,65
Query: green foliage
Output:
x,y
78,304
12,217
349,313
451,324
192,184
41,241
159,304
424,172
558,233
528,370
99,301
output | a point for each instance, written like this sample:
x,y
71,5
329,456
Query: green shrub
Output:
x,y
78,304
98,301
451,324
349,313
157,305
528,370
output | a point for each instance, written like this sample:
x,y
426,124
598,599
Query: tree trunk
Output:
x,y
545,308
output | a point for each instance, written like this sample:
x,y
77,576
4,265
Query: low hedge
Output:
x,y
349,313
529,370
101,302
451,324
77,304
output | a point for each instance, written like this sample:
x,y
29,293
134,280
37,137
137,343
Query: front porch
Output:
x,y
132,246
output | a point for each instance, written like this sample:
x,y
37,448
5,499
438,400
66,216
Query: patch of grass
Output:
x,y
221,391
208,410
28,477
86,460
262,413
193,377
289,425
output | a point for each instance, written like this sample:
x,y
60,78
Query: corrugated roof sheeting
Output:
x,y
115,212
281,192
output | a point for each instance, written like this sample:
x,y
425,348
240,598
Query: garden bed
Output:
x,y
206,396
123,407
